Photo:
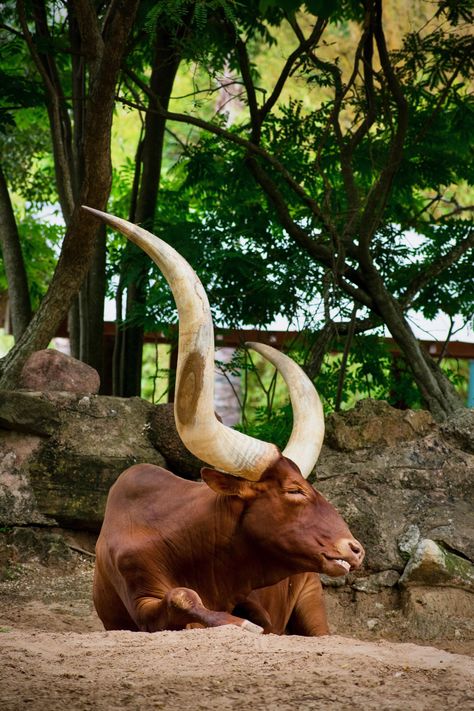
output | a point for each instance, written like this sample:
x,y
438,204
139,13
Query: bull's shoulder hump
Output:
x,y
146,478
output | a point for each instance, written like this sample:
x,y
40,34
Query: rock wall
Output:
x,y
61,452
404,484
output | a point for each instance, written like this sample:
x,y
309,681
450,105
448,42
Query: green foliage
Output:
x,y
40,243
274,427
210,206
371,372
155,372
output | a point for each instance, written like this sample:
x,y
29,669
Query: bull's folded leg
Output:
x,y
253,611
181,607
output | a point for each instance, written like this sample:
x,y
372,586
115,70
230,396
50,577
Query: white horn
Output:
x,y
201,432
307,435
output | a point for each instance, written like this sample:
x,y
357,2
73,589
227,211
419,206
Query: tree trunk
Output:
x,y
105,50
91,308
86,316
18,292
436,390
150,155
74,328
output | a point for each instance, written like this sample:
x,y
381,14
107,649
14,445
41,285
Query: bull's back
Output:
x,y
146,495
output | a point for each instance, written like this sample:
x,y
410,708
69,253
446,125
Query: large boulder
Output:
x,y
407,492
431,564
50,370
374,423
61,464
399,482
165,437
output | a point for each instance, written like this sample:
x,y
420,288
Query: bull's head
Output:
x,y
309,529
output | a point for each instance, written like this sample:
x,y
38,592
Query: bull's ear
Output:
x,y
226,484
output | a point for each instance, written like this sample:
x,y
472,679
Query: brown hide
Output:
x,y
173,552
295,605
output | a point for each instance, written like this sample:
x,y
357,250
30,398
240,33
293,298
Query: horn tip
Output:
x,y
116,222
93,210
261,348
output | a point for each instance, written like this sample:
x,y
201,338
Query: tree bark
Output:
x,y
80,239
86,317
436,390
18,292
165,65
91,308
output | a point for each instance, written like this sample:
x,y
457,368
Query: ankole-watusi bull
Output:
x,y
245,546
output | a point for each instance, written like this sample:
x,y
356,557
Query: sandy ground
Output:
x,y
54,656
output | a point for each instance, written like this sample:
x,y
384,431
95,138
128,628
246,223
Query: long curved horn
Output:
x,y
307,435
201,432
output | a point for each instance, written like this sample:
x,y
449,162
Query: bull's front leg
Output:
x,y
181,607
309,613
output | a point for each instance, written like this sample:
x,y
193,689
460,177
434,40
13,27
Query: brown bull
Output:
x,y
243,547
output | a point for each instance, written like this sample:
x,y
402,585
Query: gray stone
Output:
x,y
408,541
330,582
65,474
432,565
46,546
97,439
165,438
459,428
374,583
426,482
372,623
34,413
373,423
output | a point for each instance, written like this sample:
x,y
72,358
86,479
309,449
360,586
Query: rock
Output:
x,y
50,370
47,547
34,413
63,475
165,438
374,583
18,505
330,582
408,541
374,423
97,439
432,565
425,482
372,623
434,613
459,429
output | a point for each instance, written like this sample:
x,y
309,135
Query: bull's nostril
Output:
x,y
355,547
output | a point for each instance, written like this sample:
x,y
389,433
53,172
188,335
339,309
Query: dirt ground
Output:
x,y
54,656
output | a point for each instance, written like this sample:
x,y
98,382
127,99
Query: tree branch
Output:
x,y
304,46
58,115
92,44
235,138
379,193
436,268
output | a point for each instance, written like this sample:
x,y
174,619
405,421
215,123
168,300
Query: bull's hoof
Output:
x,y
251,627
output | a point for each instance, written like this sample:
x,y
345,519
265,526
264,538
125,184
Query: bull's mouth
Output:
x,y
343,566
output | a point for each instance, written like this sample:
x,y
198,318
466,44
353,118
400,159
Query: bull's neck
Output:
x,y
234,563
222,556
